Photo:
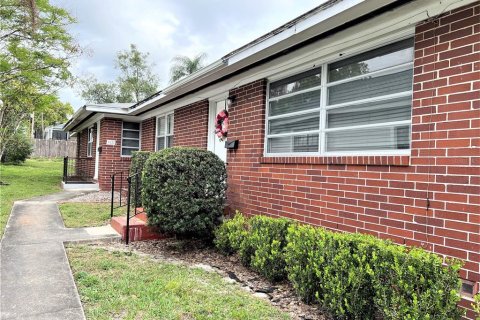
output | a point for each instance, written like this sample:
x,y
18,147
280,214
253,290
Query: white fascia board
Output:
x,y
107,110
301,26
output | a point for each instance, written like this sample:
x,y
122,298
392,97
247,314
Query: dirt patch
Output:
x,y
198,254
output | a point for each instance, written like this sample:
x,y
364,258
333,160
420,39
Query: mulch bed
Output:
x,y
199,254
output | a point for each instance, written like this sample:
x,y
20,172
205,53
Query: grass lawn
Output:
x,y
79,214
35,177
121,285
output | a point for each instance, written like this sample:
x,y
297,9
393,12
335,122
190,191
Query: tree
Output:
x,y
98,92
184,66
36,52
135,82
50,112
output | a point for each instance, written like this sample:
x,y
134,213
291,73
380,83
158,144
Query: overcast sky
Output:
x,y
166,28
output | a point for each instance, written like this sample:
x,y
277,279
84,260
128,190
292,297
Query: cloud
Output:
x,y
168,28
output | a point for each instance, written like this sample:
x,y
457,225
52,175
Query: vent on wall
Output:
x,y
468,288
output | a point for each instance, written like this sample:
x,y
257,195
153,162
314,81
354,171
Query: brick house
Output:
x,y
359,116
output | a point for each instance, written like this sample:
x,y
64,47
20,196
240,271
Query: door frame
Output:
x,y
97,152
212,106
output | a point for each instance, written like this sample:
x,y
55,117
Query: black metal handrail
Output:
x,y
131,179
135,201
120,191
78,169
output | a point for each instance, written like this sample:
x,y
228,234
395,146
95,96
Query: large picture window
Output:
x,y
357,105
164,133
130,138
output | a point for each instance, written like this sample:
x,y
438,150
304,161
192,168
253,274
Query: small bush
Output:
x,y
332,269
17,150
265,244
183,191
138,162
414,284
476,306
353,276
230,234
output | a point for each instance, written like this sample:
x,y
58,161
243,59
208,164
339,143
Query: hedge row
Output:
x,y
353,276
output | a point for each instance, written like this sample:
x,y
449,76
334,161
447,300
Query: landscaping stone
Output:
x,y
261,295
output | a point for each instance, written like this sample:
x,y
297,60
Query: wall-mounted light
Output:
x,y
230,100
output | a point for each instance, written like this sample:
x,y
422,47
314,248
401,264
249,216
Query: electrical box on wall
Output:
x,y
231,145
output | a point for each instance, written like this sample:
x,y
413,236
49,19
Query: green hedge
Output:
x,y
229,236
139,158
260,242
183,191
476,306
353,276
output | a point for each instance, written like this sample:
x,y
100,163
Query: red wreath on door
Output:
x,y
221,125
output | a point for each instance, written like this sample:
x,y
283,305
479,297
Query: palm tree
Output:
x,y
184,66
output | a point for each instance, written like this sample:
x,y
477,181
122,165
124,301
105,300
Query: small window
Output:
x,y
359,104
130,138
90,142
164,134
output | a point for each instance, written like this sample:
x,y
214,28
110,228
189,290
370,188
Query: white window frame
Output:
x,y
89,142
324,107
139,139
166,134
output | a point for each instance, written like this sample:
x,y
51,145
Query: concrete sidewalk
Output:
x,y
35,277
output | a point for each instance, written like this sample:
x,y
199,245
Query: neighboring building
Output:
x,y
55,132
360,116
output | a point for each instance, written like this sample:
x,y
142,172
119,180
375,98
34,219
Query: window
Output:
x,y
164,132
357,105
130,138
90,142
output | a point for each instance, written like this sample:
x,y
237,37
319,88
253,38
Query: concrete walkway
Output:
x,y
35,277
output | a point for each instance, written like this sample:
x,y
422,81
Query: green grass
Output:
x,y
121,285
33,178
77,214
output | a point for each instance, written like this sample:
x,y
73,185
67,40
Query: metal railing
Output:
x,y
78,170
136,202
115,177
132,192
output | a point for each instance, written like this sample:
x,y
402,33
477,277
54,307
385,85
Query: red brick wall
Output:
x,y
111,160
148,135
191,125
385,196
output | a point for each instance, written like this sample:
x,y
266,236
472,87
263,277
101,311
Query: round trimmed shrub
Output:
x,y
184,191
17,150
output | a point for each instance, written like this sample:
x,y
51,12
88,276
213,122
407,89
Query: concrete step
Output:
x,y
139,230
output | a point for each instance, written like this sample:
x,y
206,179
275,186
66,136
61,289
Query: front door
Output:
x,y
215,145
